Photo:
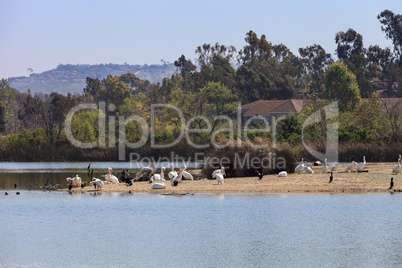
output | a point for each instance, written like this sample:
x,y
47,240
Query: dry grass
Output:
x,y
376,180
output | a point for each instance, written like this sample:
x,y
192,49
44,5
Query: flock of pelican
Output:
x,y
97,183
157,180
353,166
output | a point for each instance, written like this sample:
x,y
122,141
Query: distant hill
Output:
x,y
70,78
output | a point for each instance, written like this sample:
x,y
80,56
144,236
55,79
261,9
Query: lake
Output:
x,y
51,228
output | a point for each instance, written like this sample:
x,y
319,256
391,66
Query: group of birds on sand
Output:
x,y
97,183
325,168
175,177
156,179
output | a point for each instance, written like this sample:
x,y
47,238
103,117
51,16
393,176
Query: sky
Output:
x,y
41,34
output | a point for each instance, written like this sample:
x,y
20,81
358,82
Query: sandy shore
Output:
x,y
377,179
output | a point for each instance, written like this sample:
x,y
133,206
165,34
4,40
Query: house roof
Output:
x,y
266,107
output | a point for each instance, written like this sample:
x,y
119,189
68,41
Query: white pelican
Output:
x,y
76,181
97,183
282,174
158,185
172,173
361,165
221,171
175,180
398,168
308,169
351,166
220,178
300,167
325,167
185,174
158,177
334,167
110,177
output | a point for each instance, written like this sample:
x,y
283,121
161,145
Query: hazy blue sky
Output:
x,y
40,34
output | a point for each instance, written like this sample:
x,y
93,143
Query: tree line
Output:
x,y
211,88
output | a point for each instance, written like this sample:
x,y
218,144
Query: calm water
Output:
x,y
32,176
49,228
42,229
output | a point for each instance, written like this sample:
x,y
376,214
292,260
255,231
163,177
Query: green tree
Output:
x,y
340,84
2,116
7,96
53,111
184,66
110,90
207,52
255,49
350,50
383,62
315,61
220,102
392,27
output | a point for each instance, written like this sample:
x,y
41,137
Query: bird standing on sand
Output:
x,y
325,167
308,169
398,168
391,184
70,187
334,167
330,178
300,167
260,174
360,166
351,166
110,177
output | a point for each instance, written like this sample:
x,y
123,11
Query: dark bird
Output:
x,y
129,191
18,193
131,183
89,166
391,184
70,187
15,185
260,174
6,193
331,177
83,185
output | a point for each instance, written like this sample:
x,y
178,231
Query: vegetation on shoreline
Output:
x,y
33,127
